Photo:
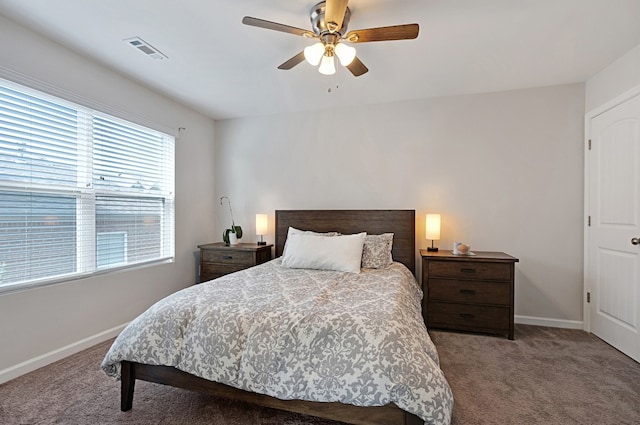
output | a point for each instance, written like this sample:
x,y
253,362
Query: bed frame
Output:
x,y
399,222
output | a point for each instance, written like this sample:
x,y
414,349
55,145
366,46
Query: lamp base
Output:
x,y
262,242
432,249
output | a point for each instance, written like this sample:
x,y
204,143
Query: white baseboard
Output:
x,y
59,354
552,323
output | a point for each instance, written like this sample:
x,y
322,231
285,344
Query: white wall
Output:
x,y
505,170
619,77
40,325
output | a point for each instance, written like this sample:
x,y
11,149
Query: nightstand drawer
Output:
x,y
218,259
210,271
228,256
470,270
470,291
466,316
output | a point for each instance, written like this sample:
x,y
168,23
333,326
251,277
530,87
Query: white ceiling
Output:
x,y
226,69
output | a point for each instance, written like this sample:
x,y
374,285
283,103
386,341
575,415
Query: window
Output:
x,y
112,249
80,191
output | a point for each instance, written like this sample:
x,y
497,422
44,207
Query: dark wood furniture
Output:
x,y
218,259
468,292
400,222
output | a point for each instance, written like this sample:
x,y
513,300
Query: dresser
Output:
x,y
471,293
218,259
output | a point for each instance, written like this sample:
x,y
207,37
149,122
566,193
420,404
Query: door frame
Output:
x,y
587,283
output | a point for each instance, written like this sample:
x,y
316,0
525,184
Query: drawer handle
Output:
x,y
227,257
468,270
467,316
468,291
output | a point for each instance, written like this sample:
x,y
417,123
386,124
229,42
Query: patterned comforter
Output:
x,y
298,334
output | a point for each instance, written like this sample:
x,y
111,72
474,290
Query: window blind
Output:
x,y
80,191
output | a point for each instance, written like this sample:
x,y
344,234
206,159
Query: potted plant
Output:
x,y
230,236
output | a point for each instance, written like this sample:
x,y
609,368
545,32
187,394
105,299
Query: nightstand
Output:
x,y
218,259
468,292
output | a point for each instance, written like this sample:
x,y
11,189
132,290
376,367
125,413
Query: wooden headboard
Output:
x,y
402,223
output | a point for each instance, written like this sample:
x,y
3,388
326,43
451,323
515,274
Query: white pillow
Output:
x,y
309,251
294,231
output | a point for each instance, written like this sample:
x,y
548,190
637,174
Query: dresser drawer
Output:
x,y
466,316
470,270
470,291
228,256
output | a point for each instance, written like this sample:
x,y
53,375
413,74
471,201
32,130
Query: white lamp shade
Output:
x,y
432,228
313,54
327,65
262,224
345,53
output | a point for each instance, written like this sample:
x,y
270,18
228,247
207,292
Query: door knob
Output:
x,y
635,241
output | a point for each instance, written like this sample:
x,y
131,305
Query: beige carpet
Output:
x,y
546,376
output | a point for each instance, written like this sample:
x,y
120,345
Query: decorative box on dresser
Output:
x,y
218,259
471,293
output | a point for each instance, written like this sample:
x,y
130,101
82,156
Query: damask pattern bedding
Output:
x,y
298,334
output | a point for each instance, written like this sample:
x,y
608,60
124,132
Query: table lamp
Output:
x,y
432,230
262,227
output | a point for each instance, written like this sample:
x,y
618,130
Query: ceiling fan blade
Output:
x,y
261,23
334,14
396,32
357,68
293,61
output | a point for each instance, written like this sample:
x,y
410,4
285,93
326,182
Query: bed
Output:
x,y
257,377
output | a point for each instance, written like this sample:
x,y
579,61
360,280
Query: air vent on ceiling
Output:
x,y
146,48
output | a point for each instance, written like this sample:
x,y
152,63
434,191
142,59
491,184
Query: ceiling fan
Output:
x,y
329,21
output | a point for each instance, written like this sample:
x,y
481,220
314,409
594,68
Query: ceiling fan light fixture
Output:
x,y
329,22
345,53
313,54
327,65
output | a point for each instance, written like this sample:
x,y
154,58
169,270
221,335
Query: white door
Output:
x,y
613,249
